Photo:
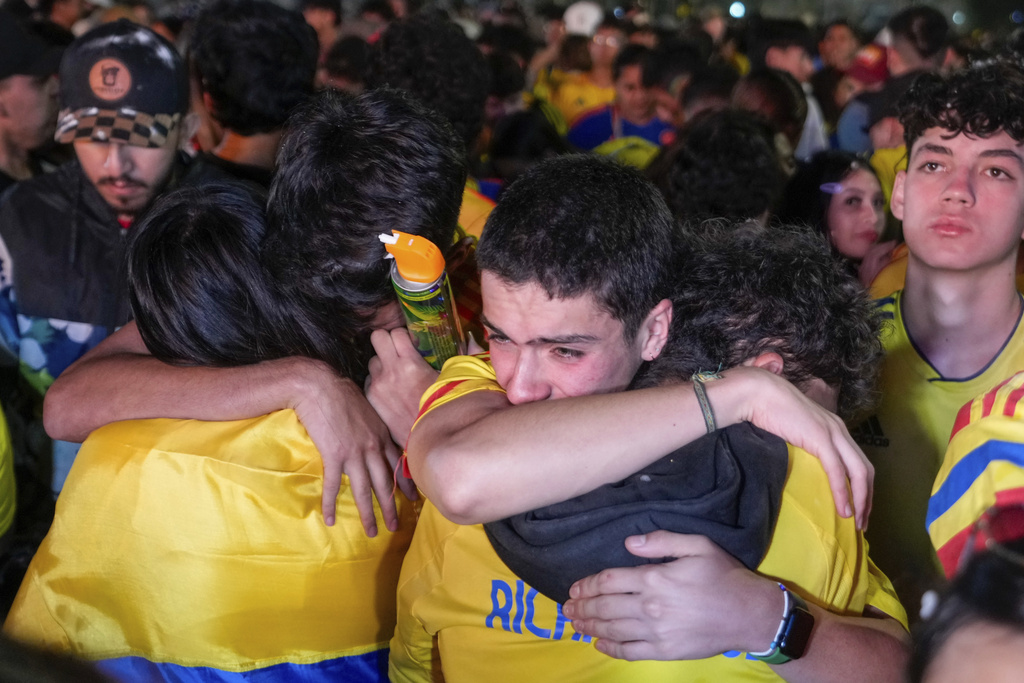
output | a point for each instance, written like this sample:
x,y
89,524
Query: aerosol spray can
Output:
x,y
420,280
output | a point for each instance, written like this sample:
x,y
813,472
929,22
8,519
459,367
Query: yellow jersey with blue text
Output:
x,y
983,468
464,615
195,551
905,439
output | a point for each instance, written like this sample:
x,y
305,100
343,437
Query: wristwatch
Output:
x,y
793,634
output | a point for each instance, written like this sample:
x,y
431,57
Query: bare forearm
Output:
x,y
848,649
506,460
126,385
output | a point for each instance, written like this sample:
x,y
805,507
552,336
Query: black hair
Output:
x,y
744,290
781,34
579,224
671,62
989,588
256,60
521,140
775,95
348,58
713,83
922,28
431,58
803,200
197,290
380,7
833,24
724,165
507,77
979,101
508,38
349,169
634,55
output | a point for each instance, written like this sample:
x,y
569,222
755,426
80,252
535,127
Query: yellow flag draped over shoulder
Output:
x,y
186,550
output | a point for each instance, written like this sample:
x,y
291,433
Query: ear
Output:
x,y
188,128
771,57
769,360
653,334
896,204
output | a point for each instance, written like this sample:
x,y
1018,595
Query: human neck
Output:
x,y
960,321
13,159
601,76
258,150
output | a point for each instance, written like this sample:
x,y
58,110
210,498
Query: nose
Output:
x,y
960,187
526,384
119,160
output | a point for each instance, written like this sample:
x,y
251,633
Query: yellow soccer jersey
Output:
x,y
8,495
179,544
905,440
474,212
463,613
983,467
576,93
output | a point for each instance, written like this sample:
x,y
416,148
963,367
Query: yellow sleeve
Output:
x,y
460,376
414,652
882,596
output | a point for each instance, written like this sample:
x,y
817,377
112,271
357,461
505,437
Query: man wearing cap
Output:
x,y
28,98
124,97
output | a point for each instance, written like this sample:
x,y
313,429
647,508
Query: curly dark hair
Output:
x,y
979,101
743,290
431,58
349,169
256,60
725,165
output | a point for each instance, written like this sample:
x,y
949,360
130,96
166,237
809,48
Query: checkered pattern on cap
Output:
x,y
116,125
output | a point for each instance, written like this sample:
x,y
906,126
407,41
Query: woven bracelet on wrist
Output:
x,y
699,378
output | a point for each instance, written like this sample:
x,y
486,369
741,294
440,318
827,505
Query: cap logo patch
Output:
x,y
109,79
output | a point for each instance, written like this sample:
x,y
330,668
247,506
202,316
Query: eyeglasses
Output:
x,y
609,41
996,528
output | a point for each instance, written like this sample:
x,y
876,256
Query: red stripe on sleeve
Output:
x,y
1010,409
963,418
441,391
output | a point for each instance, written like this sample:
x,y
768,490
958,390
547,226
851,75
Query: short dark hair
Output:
x,y
712,84
348,58
349,169
804,201
256,60
744,290
979,101
197,290
775,95
724,165
778,33
923,29
989,588
432,59
579,224
634,55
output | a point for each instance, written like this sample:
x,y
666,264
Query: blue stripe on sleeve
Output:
x,y
965,472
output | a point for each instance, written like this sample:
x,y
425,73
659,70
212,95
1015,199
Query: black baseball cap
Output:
x,y
22,53
121,82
